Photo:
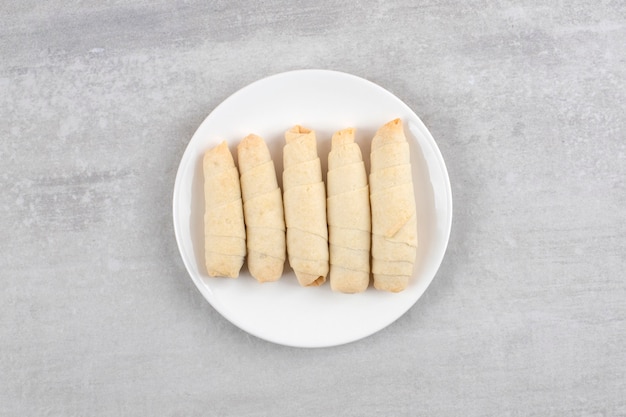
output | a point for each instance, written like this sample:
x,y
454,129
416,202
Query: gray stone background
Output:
x,y
526,99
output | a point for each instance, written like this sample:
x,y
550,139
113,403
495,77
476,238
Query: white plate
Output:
x,y
326,101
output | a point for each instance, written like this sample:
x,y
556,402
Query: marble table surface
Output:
x,y
526,100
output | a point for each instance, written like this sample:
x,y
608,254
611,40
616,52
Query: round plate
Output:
x,y
325,101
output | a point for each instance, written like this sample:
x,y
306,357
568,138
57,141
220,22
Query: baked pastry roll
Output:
x,y
349,223
394,223
305,207
263,210
224,230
